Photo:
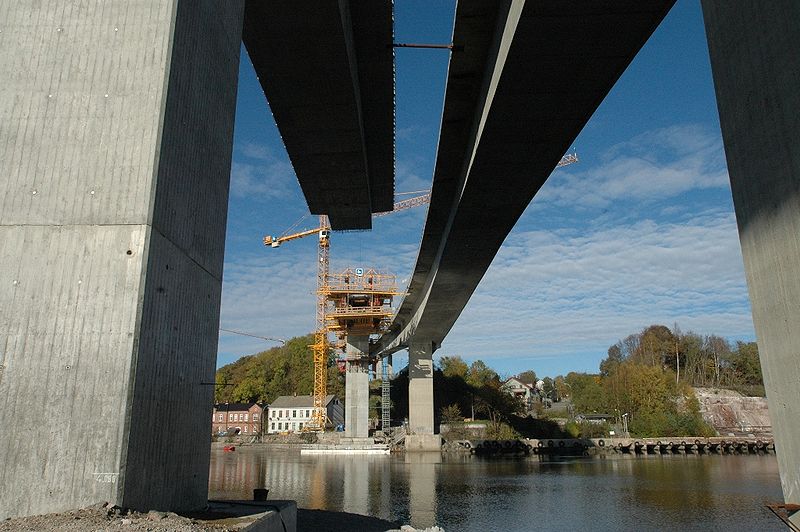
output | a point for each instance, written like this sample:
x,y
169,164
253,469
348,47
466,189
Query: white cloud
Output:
x,y
408,177
650,167
268,177
565,291
266,295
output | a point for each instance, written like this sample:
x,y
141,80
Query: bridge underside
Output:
x,y
530,77
327,69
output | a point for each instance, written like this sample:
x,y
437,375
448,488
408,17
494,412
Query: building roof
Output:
x,y
297,401
515,379
236,407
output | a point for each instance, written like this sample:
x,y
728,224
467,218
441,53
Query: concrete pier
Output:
x,y
356,408
115,152
756,71
421,435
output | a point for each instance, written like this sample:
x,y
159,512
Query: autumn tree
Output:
x,y
453,366
480,374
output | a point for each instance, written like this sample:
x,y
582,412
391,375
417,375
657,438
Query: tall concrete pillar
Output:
x,y
116,126
756,68
356,385
420,398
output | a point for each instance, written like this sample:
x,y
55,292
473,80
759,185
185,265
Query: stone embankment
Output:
x,y
733,414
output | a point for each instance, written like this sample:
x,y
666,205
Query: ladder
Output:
x,y
385,396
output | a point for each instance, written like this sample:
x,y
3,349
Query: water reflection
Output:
x,y
622,492
423,469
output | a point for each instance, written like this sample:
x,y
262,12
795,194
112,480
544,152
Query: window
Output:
x,y
220,417
255,417
294,425
294,413
230,417
280,426
308,413
301,426
272,426
245,417
245,429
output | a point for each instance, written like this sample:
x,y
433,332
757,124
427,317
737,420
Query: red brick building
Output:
x,y
237,418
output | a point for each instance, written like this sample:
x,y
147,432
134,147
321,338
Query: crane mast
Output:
x,y
319,348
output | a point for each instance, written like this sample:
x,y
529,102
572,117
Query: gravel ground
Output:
x,y
102,518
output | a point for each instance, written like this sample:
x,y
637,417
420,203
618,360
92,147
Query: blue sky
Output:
x,y
641,231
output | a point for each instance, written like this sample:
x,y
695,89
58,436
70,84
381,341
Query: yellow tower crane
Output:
x,y
320,346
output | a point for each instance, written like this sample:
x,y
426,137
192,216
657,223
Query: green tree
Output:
x,y
454,366
452,414
548,388
656,345
480,375
562,389
615,358
586,392
746,363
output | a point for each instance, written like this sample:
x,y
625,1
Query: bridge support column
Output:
x,y
756,69
356,408
420,399
115,156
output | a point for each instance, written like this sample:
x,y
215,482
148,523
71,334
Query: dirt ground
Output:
x,y
100,517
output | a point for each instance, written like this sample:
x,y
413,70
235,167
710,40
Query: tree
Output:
x,y
655,346
562,389
527,376
587,393
480,374
746,363
615,358
454,367
548,388
452,414
719,349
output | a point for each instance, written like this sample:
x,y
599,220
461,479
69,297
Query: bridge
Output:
x,y
115,154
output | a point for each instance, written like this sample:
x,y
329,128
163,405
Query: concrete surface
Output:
x,y
756,71
530,77
356,388
420,389
332,98
254,516
423,443
115,152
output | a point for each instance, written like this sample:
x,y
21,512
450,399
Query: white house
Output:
x,y
517,388
290,413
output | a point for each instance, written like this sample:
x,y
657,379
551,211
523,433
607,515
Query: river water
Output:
x,y
470,493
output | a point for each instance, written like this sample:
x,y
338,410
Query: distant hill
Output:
x,y
282,370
